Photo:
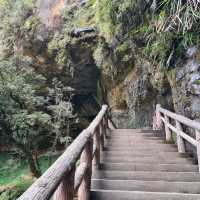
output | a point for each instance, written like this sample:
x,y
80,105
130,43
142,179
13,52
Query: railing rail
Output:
x,y
163,117
63,179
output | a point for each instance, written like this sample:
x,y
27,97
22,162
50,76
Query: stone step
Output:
x,y
149,186
148,176
136,195
149,167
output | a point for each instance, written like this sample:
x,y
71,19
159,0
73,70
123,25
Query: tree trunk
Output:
x,y
33,166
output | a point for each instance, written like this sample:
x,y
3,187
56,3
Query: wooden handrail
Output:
x,y
62,180
180,118
163,116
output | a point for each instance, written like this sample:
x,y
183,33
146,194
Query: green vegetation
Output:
x,y
33,110
27,117
163,30
13,168
117,17
197,82
174,137
22,116
172,28
18,24
103,18
15,176
18,113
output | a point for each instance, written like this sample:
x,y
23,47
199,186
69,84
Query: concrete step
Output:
x,y
139,165
134,131
132,134
134,141
149,186
148,176
141,148
144,154
140,145
136,136
135,195
149,167
143,159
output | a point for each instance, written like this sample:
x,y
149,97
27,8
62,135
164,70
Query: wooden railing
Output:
x,y
166,118
64,179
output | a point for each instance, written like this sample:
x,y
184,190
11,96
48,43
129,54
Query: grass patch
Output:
x,y
13,170
174,137
15,176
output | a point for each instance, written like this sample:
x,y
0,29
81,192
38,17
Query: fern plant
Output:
x,y
174,26
181,16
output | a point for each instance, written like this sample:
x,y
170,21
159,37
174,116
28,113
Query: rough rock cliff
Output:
x,y
130,82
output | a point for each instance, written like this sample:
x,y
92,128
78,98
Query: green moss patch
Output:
x,y
14,174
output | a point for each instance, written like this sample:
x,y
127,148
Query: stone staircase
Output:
x,y
138,165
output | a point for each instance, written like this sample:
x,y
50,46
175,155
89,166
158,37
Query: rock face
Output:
x,y
50,12
135,82
96,47
57,53
133,101
85,81
145,86
186,86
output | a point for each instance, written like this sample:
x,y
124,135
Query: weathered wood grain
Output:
x,y
86,157
65,190
97,148
167,130
101,137
198,146
80,172
180,140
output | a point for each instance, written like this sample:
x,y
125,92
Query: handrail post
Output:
x,y
86,156
104,122
107,117
167,130
101,136
180,140
65,190
198,146
159,123
97,145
